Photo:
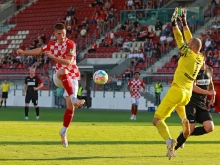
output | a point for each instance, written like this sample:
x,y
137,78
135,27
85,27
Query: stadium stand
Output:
x,y
35,23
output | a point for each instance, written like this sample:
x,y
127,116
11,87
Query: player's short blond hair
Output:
x,y
197,43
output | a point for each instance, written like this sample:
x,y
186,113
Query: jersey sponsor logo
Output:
x,y
203,82
31,83
71,51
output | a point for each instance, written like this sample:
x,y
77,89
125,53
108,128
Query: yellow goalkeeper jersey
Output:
x,y
189,63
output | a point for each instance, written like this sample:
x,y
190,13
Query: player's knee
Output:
x,y
209,127
70,106
154,122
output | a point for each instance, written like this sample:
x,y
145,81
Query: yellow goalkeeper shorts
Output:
x,y
176,98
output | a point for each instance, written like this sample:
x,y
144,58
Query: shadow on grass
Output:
x,y
80,158
4,143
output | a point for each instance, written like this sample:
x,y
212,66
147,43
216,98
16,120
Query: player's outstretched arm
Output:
x,y
199,90
186,29
33,52
176,31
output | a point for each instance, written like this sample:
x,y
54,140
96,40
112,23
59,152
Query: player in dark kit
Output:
x,y
196,110
32,84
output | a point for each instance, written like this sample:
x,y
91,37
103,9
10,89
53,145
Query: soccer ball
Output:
x,y
100,77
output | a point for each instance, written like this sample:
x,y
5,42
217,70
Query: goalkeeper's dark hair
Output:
x,y
59,26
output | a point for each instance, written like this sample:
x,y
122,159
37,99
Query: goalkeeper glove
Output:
x,y
174,17
182,17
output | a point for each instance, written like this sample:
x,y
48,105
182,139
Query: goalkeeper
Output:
x,y
181,88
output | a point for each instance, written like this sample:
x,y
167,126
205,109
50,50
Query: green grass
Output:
x,y
99,138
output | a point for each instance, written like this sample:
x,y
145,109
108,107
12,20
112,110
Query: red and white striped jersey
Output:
x,y
135,86
61,51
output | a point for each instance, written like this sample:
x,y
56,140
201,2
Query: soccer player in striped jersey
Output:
x,y
66,74
134,87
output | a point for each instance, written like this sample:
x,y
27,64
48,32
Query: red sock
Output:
x,y
135,112
67,84
132,110
67,118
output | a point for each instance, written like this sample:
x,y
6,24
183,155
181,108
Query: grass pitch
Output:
x,y
98,138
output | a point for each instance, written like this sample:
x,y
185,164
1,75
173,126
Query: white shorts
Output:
x,y
135,101
59,84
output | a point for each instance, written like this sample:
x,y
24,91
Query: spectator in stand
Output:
x,y
140,15
215,56
76,30
128,75
68,20
125,26
33,45
213,45
208,44
119,41
143,35
74,20
71,11
9,59
93,47
83,32
209,57
163,40
158,26
111,15
169,40
148,48
69,29
193,24
156,52
118,27
202,38
135,23
107,5
96,3
207,13
53,37
140,57
168,29
85,21
30,61
43,37
214,5
136,31
129,4
14,61
126,46
150,4
95,17
87,28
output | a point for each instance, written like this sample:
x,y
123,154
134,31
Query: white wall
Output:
x,y
18,100
98,101
119,102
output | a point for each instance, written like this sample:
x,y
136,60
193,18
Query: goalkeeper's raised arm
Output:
x,y
193,44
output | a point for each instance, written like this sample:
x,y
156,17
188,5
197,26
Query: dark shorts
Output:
x,y
5,95
33,98
197,114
